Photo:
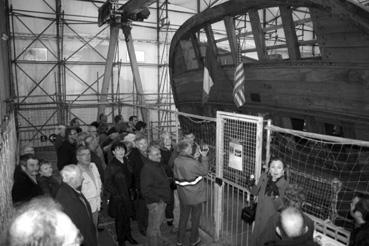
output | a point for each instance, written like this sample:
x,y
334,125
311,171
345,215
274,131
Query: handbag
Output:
x,y
248,213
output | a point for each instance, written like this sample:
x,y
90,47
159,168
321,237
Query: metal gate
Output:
x,y
239,154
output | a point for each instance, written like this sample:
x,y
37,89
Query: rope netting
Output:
x,y
330,169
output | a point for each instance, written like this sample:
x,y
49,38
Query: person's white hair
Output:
x,y
71,174
41,222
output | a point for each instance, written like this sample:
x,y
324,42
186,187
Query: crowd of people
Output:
x,y
114,166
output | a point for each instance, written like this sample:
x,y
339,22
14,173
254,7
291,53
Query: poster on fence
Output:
x,y
235,155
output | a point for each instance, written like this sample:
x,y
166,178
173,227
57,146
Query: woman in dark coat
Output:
x,y
118,180
270,192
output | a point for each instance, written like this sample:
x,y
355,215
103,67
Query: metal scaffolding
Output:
x,y
58,68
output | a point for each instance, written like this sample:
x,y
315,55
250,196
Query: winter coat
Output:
x,y
189,173
118,181
24,188
76,206
154,182
267,205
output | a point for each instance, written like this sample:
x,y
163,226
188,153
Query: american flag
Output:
x,y
239,86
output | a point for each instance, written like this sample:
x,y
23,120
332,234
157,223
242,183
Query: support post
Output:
x,y
136,74
113,42
268,139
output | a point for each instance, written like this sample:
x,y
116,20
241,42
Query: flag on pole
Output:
x,y
208,81
239,86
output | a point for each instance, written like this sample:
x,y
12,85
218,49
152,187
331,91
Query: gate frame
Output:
x,y
218,194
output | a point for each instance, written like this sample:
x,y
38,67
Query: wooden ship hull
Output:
x,y
316,81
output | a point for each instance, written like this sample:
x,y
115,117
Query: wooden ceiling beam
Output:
x,y
258,33
290,33
231,33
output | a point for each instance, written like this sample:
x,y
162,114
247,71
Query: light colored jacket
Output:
x,y
91,187
189,176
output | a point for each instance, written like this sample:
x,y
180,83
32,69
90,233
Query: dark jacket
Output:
x,y
267,205
76,206
165,157
304,240
269,233
154,182
24,188
49,185
99,164
360,236
136,159
188,169
66,155
118,181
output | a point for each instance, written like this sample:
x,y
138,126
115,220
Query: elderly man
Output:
x,y
46,225
188,174
156,192
75,205
292,229
91,185
294,196
25,185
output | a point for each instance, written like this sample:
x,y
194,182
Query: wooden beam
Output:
x,y
196,49
267,29
113,42
210,37
135,72
279,46
290,33
258,33
231,34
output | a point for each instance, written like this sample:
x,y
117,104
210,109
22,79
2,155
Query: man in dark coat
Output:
x,y
294,196
66,153
25,185
292,230
137,157
75,205
155,190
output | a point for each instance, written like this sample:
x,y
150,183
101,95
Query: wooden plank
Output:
x,y
210,37
231,34
290,33
113,42
258,34
196,48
